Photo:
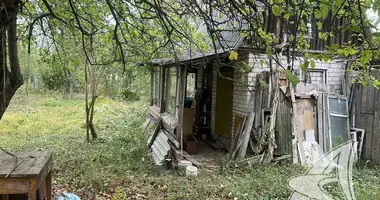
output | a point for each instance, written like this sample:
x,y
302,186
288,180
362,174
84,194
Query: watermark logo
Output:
x,y
335,166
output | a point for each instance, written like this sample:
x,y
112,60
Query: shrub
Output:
x,y
129,95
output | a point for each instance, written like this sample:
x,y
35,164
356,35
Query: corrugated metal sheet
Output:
x,y
229,38
284,126
160,148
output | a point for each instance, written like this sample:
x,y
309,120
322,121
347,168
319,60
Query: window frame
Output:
x,y
329,115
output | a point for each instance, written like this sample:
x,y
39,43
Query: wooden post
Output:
x,y
168,81
32,193
182,86
152,86
48,186
321,135
178,92
162,89
258,104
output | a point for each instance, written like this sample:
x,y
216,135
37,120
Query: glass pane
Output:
x,y
172,90
337,106
190,85
156,100
339,131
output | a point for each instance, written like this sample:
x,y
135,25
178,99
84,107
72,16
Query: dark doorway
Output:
x,y
224,102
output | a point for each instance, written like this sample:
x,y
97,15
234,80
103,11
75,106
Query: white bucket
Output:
x,y
191,171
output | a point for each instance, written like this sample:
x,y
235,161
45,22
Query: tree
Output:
x,y
145,29
11,78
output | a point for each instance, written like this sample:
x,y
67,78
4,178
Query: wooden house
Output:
x,y
208,96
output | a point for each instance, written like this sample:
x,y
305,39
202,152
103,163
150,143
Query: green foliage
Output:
x,y
277,10
294,80
263,84
53,77
120,194
243,67
129,95
233,55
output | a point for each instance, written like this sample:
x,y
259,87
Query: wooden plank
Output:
x,y
247,133
363,105
272,137
32,192
283,157
41,178
321,137
172,139
238,121
48,186
265,92
297,157
368,124
14,185
191,159
33,162
370,96
376,128
239,139
154,111
236,139
169,123
155,133
376,138
357,105
325,123
180,102
283,126
258,103
308,117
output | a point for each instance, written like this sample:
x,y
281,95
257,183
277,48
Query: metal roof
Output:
x,y
229,39
160,148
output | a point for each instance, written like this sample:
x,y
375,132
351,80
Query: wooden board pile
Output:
x,y
254,138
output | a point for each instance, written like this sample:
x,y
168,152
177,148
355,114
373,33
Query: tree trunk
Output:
x,y
86,96
91,124
90,129
10,77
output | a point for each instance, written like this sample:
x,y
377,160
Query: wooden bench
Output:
x,y
25,174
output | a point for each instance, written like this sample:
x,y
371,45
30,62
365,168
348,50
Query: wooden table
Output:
x,y
25,174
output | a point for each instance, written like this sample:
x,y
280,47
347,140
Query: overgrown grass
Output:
x,y
55,123
119,163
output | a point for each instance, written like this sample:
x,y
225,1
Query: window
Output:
x,y
190,85
314,76
156,86
338,121
170,90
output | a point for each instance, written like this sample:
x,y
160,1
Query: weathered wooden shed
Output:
x,y
207,96
199,98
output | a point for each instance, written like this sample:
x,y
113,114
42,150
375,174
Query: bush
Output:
x,y
53,77
130,96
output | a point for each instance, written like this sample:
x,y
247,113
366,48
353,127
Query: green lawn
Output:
x,y
119,164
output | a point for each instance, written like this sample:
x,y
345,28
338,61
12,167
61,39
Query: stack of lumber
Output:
x,y
256,133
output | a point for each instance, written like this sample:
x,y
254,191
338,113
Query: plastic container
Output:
x,y
191,171
66,196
